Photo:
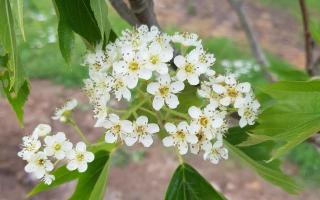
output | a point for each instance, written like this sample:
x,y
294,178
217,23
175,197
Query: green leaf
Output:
x,y
100,11
80,18
294,116
187,98
269,171
17,6
8,42
92,184
62,175
188,184
17,100
66,40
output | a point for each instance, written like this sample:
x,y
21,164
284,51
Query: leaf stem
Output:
x,y
78,130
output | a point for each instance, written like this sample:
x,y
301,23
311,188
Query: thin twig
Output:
x,y
255,47
308,39
123,10
144,11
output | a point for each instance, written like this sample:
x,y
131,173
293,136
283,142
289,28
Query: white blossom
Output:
x,y
30,145
57,145
164,92
156,58
48,179
216,153
41,130
179,136
64,112
186,39
79,158
117,129
39,165
190,67
248,112
142,132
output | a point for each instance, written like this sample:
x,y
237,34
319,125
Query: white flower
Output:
x,y
39,165
207,120
57,146
64,112
229,90
133,66
41,130
30,145
203,142
216,153
186,39
248,112
142,132
48,178
97,61
120,87
79,158
116,129
179,136
156,58
164,91
190,67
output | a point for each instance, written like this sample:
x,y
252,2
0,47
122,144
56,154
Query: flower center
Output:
x,y
140,130
40,162
79,157
247,112
97,66
188,68
204,121
181,134
133,66
164,90
232,92
117,128
154,59
200,135
119,84
57,147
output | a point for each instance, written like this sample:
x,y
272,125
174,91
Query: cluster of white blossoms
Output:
x,y
43,150
143,60
240,68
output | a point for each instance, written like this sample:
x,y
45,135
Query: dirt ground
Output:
x,y
148,179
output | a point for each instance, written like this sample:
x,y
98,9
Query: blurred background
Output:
x,y
143,174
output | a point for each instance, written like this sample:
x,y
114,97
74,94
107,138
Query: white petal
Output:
x,y
194,112
217,123
179,61
162,68
195,148
172,101
225,101
114,118
126,94
110,137
130,140
72,165
181,75
193,79
166,54
152,128
146,140
183,148
192,139
145,74
164,79
89,156
194,127
126,126
60,155
131,81
243,122
157,103
81,146
218,88
170,128
152,88
142,120
60,137
82,167
49,151
168,141
244,87
176,87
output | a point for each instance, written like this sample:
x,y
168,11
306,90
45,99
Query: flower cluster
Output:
x,y
43,150
144,61
240,67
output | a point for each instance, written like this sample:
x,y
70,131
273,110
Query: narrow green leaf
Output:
x,y
79,17
188,184
269,171
92,184
8,42
66,40
100,11
62,175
